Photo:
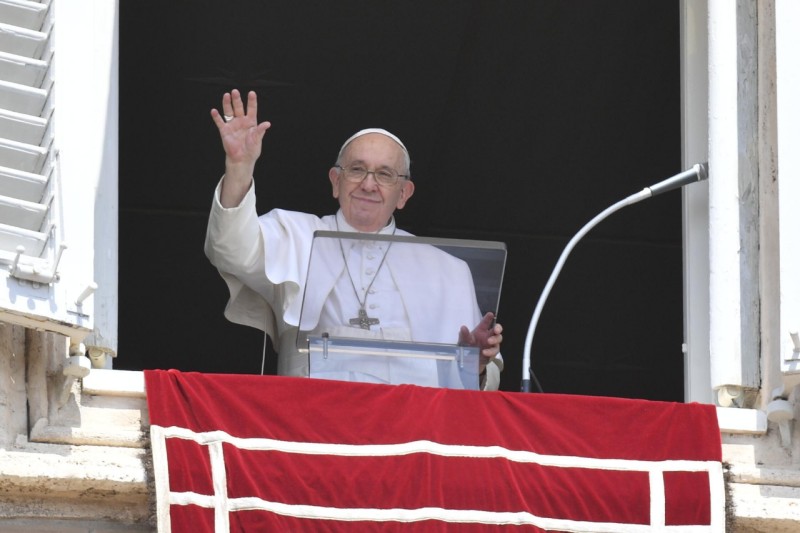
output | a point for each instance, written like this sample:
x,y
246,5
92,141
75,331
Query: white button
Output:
x,y
373,306
370,271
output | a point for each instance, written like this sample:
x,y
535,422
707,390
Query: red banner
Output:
x,y
265,453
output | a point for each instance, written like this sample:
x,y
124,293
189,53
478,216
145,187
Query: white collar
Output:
x,y
388,229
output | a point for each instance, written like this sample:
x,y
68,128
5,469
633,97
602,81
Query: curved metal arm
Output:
x,y
698,172
526,357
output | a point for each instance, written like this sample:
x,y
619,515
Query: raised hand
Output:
x,y
241,136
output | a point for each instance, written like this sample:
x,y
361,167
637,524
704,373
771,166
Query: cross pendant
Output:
x,y
363,321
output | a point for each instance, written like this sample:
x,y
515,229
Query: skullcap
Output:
x,y
382,131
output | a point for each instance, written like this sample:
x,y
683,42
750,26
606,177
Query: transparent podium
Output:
x,y
389,308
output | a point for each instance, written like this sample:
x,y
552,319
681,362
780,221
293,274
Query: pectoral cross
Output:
x,y
363,321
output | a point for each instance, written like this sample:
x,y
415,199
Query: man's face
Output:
x,y
368,206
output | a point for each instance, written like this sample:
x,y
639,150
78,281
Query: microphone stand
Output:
x,y
698,172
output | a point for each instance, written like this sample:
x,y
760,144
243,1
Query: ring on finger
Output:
x,y
227,118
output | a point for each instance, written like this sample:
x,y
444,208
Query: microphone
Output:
x,y
698,172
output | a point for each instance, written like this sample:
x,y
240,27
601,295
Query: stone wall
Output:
x,y
74,457
73,452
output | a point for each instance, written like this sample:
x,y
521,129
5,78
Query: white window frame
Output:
x,y
787,61
711,247
694,135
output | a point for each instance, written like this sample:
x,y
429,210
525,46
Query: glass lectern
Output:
x,y
388,308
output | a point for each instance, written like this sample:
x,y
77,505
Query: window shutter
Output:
x,y
787,65
44,283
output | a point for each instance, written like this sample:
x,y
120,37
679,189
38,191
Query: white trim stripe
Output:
x,y
312,512
435,448
224,505
658,503
716,482
158,447
220,483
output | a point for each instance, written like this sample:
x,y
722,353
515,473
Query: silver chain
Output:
x,y
350,276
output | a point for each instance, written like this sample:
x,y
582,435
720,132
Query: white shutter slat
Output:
x,y
23,70
21,213
22,156
23,13
22,185
22,99
22,41
22,128
12,237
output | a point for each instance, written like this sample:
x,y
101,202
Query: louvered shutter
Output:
x,y
46,282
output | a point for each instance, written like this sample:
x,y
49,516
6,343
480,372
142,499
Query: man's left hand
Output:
x,y
485,336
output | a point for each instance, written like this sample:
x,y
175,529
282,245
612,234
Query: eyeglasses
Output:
x,y
385,176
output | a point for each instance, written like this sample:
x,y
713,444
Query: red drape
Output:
x,y
265,453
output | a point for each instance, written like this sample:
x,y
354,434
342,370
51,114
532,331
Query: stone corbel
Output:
x,y
76,366
781,411
730,396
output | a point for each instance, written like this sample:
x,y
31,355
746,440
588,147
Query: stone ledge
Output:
x,y
45,469
27,525
103,382
741,421
103,484
765,508
81,513
769,477
97,436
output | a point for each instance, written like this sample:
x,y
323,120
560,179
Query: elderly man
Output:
x,y
264,260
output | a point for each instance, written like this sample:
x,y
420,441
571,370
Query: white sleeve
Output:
x,y
493,370
234,246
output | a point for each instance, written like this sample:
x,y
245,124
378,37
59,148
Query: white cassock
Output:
x,y
265,260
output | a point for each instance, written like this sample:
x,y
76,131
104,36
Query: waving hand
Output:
x,y
241,136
